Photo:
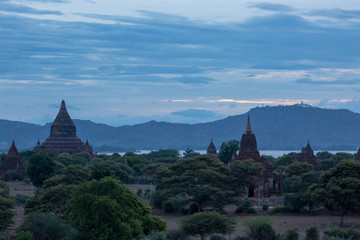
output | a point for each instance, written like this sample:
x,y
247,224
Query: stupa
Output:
x,y
307,156
269,183
63,137
211,150
13,163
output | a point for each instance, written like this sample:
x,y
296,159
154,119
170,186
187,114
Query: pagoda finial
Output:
x,y
308,143
248,126
13,143
62,103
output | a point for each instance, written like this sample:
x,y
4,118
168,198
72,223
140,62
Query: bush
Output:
x,y
244,205
168,206
280,209
153,236
21,198
291,234
217,237
335,232
176,235
259,228
312,233
48,226
22,235
265,207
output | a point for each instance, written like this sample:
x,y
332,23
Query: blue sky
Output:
x,y
127,62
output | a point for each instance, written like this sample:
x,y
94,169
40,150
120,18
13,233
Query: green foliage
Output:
x,y
343,156
23,235
189,153
81,159
259,228
99,171
345,234
280,209
339,188
173,204
203,180
265,207
283,160
25,156
217,237
106,209
153,236
205,223
244,175
41,167
13,176
245,205
163,156
324,155
177,234
21,198
6,204
228,150
312,233
291,234
298,177
48,226
136,162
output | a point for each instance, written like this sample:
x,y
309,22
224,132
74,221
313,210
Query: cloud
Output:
x,y
335,13
262,101
9,7
322,82
271,7
195,113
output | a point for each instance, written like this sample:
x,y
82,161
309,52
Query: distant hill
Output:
x,y
276,128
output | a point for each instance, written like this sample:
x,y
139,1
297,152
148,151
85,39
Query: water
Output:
x,y
274,153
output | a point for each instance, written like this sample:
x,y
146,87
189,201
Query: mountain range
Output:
x,y
275,128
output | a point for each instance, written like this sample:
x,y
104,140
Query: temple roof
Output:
x,y
13,152
248,126
63,117
12,163
211,149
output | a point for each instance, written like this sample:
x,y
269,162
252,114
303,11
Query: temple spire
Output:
x,y
248,126
308,144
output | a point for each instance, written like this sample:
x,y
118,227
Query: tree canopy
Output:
x,y
41,167
228,150
6,204
106,209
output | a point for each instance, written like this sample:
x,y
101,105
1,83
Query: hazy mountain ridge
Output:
x,y
276,128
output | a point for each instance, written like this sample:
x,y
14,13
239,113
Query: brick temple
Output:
x,y
12,164
211,150
270,184
63,137
307,156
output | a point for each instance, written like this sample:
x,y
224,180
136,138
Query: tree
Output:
x,y
41,167
259,228
190,153
244,173
202,180
228,150
298,177
6,204
205,223
163,156
339,189
106,209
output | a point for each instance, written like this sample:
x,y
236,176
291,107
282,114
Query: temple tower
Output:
x,y
211,149
248,145
13,163
307,156
63,136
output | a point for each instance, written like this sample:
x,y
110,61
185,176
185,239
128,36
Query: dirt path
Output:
x,y
19,188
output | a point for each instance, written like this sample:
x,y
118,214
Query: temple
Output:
x,y
12,164
63,137
357,156
269,183
211,150
307,156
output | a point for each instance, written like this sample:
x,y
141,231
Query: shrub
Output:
x,y
176,235
168,206
312,233
259,228
335,232
252,211
291,234
153,236
280,209
244,205
217,237
265,207
21,198
22,235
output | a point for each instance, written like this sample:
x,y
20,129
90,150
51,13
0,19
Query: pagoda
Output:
x,y
13,163
307,156
63,137
269,183
357,156
211,150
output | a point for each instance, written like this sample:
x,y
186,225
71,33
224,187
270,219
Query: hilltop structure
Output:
x,y
211,150
12,164
270,184
63,136
307,156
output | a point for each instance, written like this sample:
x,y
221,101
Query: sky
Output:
x,y
126,62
